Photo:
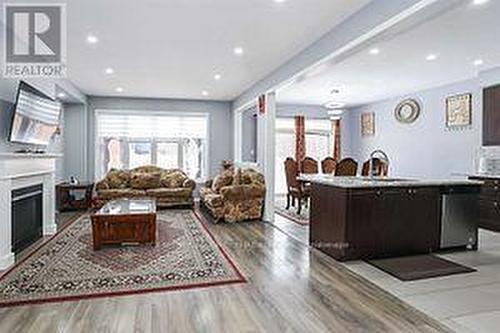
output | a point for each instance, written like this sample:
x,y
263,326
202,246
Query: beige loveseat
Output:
x,y
235,195
170,187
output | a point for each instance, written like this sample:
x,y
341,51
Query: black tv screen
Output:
x,y
35,118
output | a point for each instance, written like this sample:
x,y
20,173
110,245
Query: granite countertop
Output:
x,y
365,182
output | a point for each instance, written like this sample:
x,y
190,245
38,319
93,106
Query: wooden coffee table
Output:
x,y
125,221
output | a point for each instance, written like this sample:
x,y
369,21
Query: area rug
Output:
x,y
291,213
419,267
67,268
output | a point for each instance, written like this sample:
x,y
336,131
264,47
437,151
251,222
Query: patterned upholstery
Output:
x,y
235,195
169,187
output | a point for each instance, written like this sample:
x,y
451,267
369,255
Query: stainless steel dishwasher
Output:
x,y
459,216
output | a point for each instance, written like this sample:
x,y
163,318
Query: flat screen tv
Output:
x,y
35,118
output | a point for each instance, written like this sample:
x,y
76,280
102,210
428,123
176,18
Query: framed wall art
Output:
x,y
459,111
367,124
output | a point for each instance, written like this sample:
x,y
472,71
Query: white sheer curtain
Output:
x,y
127,139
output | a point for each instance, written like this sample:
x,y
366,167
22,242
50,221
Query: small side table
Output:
x,y
71,197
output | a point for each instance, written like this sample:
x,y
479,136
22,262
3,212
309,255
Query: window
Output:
x,y
129,139
319,144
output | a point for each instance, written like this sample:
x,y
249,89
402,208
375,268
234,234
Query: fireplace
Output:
x,y
27,216
25,172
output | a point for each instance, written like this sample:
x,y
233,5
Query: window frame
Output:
x,y
98,173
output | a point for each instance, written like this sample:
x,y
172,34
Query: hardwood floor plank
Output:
x,y
290,288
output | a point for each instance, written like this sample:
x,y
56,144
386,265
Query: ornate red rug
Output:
x,y
67,268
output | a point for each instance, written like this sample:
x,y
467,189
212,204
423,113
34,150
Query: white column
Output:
x,y
266,142
6,254
238,115
49,205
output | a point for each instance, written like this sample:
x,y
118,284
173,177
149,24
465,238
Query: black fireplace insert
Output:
x,y
27,216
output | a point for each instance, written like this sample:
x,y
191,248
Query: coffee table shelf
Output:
x,y
125,221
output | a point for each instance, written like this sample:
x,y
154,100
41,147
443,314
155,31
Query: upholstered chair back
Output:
x,y
309,165
328,165
346,167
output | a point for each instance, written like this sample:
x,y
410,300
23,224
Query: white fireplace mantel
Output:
x,y
17,171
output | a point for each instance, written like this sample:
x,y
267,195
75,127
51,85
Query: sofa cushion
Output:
x,y
169,192
144,181
223,179
117,179
120,193
173,179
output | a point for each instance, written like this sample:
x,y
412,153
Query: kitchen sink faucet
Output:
x,y
380,154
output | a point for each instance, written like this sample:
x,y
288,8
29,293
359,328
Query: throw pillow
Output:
x,y
118,178
173,179
144,181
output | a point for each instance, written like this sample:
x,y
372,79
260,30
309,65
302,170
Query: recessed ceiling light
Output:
x,y
334,105
238,50
478,62
204,93
480,2
119,89
217,77
91,39
431,57
374,51
279,1
109,70
61,95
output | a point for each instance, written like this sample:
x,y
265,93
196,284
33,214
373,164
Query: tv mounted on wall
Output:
x,y
36,117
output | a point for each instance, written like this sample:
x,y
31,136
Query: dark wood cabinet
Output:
x,y
489,204
375,222
491,116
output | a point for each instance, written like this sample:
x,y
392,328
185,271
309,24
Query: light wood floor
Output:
x,y
290,289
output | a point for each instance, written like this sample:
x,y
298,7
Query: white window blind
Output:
x,y
150,124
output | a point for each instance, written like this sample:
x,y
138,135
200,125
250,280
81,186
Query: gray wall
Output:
x,y
75,138
220,131
425,148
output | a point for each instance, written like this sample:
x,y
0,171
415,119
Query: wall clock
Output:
x,y
407,111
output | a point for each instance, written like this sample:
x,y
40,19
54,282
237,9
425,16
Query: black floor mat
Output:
x,y
419,267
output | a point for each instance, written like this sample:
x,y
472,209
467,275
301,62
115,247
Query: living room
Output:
x,y
271,165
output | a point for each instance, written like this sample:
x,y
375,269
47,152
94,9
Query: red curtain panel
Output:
x,y
336,139
300,139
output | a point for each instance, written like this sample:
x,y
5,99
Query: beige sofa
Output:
x,y
235,195
170,187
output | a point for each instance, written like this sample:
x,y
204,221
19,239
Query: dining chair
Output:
x,y
328,165
295,189
309,165
346,167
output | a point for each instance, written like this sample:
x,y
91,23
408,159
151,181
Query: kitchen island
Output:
x,y
367,218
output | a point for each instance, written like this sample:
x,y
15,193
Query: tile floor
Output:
x,y
465,302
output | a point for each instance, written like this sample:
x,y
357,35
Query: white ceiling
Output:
x,y
173,48
458,37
